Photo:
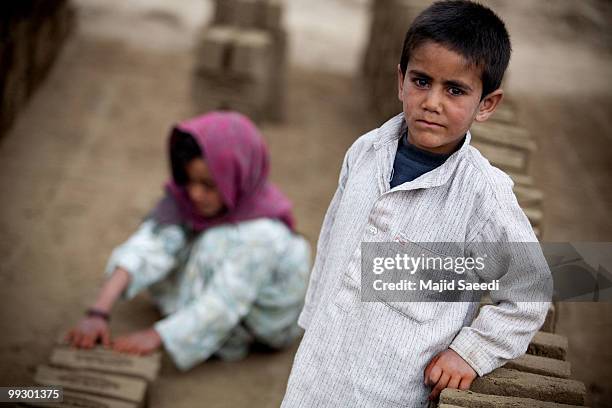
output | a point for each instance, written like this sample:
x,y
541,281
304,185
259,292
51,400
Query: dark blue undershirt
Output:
x,y
412,162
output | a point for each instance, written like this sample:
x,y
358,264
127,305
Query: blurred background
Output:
x,y
90,89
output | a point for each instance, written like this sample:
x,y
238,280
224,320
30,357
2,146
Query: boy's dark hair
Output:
x,y
467,28
183,149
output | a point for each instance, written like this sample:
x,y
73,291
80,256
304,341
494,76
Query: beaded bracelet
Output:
x,y
97,313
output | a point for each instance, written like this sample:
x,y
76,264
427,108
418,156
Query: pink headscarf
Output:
x,y
238,161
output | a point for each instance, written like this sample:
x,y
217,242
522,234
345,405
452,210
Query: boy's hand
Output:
x,y
140,342
448,370
87,332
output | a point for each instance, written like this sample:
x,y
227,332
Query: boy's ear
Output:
x,y
400,83
488,105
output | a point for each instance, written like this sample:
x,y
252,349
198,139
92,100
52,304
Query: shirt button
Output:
x,y
373,230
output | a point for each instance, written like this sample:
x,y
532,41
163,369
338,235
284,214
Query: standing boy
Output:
x,y
416,179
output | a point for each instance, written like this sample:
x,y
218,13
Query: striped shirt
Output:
x,y
373,354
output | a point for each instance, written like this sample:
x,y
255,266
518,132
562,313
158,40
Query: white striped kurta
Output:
x,y
373,354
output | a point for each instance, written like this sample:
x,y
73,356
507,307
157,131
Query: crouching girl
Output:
x,y
218,253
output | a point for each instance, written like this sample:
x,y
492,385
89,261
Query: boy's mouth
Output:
x,y
429,124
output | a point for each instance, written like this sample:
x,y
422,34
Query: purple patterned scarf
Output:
x,y
238,161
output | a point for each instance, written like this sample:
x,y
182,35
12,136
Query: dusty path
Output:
x,y
85,161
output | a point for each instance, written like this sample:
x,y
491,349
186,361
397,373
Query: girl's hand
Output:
x,y
87,332
448,370
140,342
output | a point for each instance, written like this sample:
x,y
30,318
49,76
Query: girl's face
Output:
x,y
202,189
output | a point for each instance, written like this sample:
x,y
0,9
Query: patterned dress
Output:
x,y
228,287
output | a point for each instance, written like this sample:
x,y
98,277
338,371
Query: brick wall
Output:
x,y
32,32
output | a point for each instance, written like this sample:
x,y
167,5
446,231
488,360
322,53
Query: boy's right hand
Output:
x,y
87,332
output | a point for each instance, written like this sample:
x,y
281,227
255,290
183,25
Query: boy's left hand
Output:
x,y
448,370
140,342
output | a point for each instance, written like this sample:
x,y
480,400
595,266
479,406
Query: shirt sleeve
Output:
x,y
148,255
502,331
195,332
313,292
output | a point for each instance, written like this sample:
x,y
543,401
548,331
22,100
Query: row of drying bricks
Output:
x,y
540,378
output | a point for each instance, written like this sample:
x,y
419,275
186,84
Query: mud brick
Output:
x,y
14,98
551,320
229,92
101,359
505,113
507,146
28,42
524,180
16,85
540,365
49,34
538,232
548,345
214,49
224,12
83,400
504,135
44,49
534,215
51,23
452,397
109,385
262,14
560,253
251,58
278,72
513,383
241,61
273,15
248,13
503,157
528,196
65,20
207,103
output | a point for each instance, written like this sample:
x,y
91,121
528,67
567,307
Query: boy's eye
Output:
x,y
420,82
455,91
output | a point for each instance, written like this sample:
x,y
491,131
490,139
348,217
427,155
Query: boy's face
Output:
x,y
440,94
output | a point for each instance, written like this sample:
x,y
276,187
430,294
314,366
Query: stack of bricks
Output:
x,y
241,60
510,147
501,139
33,32
99,377
539,379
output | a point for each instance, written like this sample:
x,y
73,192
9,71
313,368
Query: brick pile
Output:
x,y
502,140
241,60
99,377
32,32
538,379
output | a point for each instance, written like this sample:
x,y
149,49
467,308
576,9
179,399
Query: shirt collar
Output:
x,y
388,138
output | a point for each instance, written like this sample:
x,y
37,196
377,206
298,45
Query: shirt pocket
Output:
x,y
417,305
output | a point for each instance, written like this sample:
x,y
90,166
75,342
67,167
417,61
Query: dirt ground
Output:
x,y
85,161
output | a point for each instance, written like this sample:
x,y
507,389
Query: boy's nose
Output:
x,y
432,101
